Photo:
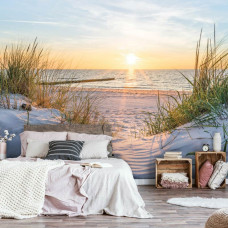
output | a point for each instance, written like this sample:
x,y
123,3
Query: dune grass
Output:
x,y
21,66
24,69
84,108
209,97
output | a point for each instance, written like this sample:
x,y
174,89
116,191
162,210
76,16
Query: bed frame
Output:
x,y
99,129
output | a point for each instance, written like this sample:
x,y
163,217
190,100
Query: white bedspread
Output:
x,y
22,187
113,191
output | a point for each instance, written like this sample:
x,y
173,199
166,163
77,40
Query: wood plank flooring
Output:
x,y
165,215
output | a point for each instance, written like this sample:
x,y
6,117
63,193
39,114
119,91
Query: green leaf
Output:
x,y
225,146
189,81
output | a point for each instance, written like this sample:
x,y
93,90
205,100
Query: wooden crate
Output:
x,y
183,165
213,157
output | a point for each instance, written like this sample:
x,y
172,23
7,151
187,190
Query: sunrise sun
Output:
x,y
131,59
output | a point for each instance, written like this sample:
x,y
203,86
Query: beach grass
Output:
x,y
27,69
209,97
84,108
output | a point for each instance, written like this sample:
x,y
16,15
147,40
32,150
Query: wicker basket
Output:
x,y
219,219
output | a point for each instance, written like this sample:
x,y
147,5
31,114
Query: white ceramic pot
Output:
x,y
217,142
3,147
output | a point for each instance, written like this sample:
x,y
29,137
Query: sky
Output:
x,y
100,34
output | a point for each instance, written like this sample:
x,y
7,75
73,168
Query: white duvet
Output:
x,y
74,190
113,191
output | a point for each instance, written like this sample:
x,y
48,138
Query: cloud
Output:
x,y
119,25
38,22
136,23
204,20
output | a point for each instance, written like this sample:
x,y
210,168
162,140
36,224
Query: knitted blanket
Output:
x,y
22,187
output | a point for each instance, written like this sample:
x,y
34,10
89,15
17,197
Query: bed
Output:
x,y
74,190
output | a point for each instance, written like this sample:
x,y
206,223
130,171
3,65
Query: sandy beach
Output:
x,y
125,108
125,111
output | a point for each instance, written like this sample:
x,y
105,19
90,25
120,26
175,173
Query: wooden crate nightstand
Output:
x,y
183,165
213,157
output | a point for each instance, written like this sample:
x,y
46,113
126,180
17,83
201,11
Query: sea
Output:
x,y
130,79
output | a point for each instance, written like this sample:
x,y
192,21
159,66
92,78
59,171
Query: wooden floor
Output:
x,y
165,215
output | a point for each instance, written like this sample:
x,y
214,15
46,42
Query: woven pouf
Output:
x,y
219,219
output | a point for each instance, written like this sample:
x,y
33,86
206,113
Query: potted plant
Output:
x,y
3,145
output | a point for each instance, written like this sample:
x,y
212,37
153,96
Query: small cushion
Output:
x,y
219,174
65,150
219,219
95,149
37,148
205,173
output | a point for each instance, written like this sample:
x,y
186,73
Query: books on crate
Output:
x,y
173,155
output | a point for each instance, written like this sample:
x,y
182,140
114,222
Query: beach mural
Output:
x,y
125,109
145,67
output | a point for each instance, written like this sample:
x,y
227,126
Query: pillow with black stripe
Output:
x,y
65,150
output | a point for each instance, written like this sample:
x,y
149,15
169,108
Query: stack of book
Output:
x,y
173,155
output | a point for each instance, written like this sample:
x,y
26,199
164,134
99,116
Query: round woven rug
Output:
x,y
219,219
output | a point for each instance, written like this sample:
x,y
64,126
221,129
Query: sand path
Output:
x,y
125,111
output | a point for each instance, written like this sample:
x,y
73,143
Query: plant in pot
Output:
x,y
3,143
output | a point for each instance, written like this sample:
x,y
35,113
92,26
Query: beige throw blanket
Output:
x,y
22,187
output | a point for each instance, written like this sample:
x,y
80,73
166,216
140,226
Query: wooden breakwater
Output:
x,y
76,81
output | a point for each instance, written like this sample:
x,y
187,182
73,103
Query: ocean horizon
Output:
x,y
131,79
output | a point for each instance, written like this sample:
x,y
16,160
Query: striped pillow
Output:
x,y
65,150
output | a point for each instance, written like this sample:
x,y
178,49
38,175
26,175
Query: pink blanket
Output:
x,y
174,185
64,193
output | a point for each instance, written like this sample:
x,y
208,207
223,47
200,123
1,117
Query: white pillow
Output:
x,y
42,136
95,149
219,174
87,137
37,149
